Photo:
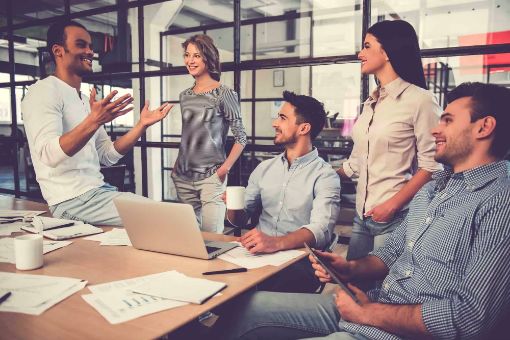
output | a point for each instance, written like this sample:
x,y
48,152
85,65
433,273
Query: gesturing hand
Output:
x,y
104,111
148,117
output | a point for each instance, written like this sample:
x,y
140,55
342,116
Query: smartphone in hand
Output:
x,y
329,269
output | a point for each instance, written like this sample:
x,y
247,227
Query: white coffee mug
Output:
x,y
28,252
235,198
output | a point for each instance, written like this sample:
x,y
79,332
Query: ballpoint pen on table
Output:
x,y
226,271
60,226
5,297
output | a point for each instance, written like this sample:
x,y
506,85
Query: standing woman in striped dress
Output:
x,y
209,109
393,153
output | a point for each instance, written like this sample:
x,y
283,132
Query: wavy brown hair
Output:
x,y
209,53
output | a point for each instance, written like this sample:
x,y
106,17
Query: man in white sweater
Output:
x,y
66,136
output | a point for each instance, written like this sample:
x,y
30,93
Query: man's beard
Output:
x,y
457,149
290,140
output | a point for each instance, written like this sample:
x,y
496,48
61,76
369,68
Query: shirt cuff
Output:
x,y
437,317
113,155
429,166
347,169
318,233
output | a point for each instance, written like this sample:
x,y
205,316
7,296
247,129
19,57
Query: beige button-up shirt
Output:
x,y
392,140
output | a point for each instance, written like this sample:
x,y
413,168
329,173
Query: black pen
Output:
x,y
60,226
226,271
5,297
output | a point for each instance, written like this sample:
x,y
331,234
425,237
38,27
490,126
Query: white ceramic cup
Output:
x,y
235,198
28,252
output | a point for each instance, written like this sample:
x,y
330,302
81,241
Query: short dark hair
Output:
x,y
57,34
308,110
399,41
488,100
210,54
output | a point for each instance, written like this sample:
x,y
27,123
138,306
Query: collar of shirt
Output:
x,y
393,89
302,160
475,178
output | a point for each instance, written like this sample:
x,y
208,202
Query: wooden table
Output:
x,y
73,318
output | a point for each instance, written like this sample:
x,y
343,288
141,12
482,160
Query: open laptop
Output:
x,y
170,228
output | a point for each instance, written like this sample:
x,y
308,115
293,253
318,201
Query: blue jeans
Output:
x,y
94,206
368,235
268,315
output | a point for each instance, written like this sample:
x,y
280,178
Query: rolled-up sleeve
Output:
x,y
105,148
393,246
325,207
425,119
232,110
42,117
351,165
252,196
484,294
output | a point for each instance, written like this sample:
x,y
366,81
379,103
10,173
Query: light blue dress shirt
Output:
x,y
305,194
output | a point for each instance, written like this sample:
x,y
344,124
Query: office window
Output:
x,y
114,39
80,6
29,49
23,11
338,87
450,23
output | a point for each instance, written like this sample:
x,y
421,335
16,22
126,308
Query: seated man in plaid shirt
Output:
x,y
445,268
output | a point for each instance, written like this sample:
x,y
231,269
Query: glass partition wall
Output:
x,y
306,46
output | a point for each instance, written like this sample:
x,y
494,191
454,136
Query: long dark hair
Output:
x,y
209,53
398,38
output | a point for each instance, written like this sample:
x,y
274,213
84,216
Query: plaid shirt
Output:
x,y
451,255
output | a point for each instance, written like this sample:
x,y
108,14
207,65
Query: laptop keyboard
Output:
x,y
211,249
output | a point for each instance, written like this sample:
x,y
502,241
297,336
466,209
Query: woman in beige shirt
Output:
x,y
393,153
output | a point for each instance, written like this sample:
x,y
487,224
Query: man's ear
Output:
x,y
57,50
304,128
485,126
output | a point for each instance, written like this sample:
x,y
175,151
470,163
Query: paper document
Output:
x,y
6,229
243,258
33,294
115,237
117,307
117,303
11,221
27,214
176,286
7,248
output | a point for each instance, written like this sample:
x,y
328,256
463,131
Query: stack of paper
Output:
x,y
177,286
243,258
7,248
11,221
33,294
117,303
61,229
115,237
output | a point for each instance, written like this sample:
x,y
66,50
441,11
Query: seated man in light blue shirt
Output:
x,y
297,192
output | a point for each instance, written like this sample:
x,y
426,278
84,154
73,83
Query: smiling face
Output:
x,y
455,133
76,54
373,57
286,126
194,61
